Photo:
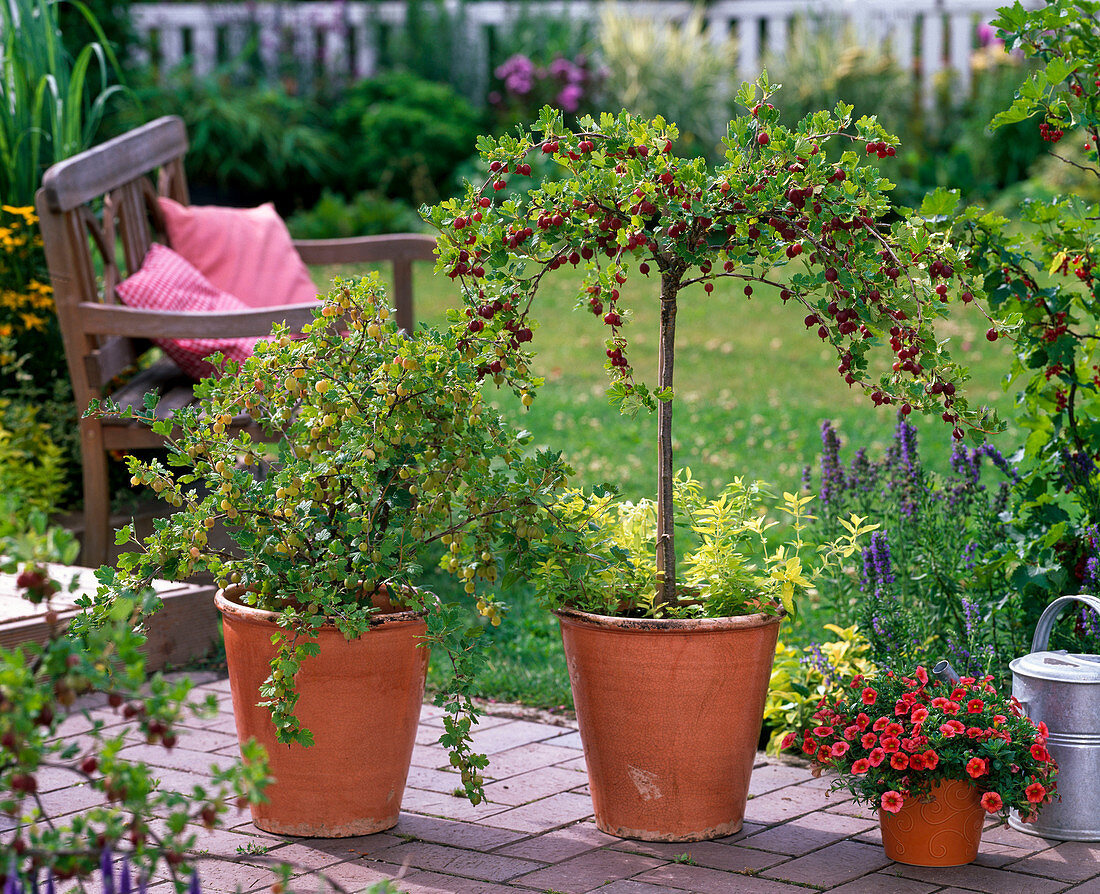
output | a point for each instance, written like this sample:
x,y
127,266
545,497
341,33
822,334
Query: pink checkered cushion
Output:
x,y
168,282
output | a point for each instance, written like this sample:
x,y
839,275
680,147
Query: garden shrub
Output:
x,y
404,136
824,62
1041,276
366,214
523,87
249,142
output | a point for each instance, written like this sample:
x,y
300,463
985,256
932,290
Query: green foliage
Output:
x,y
367,214
32,466
802,677
824,62
387,448
249,140
676,71
404,136
1042,277
742,552
952,145
964,730
39,690
50,104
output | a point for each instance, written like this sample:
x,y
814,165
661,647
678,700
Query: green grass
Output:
x,y
753,387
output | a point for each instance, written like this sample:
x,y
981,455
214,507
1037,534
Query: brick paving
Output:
x,y
536,832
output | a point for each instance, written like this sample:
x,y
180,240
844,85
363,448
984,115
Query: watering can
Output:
x,y
1063,691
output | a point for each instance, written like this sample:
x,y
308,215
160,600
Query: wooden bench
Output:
x,y
98,214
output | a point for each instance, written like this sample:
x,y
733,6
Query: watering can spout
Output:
x,y
945,671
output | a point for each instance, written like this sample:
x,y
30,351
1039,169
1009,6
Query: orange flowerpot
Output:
x,y
669,714
942,829
360,699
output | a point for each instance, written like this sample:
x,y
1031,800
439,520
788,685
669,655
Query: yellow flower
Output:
x,y
24,211
30,321
6,330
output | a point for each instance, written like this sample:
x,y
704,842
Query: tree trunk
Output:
x,y
666,547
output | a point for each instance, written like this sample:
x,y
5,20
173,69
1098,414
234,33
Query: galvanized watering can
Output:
x,y
1063,691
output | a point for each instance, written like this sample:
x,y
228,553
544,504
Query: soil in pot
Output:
x,y
942,828
670,714
360,699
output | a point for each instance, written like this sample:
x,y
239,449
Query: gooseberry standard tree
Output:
x,y
800,211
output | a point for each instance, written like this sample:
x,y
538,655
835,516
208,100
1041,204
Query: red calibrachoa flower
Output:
x,y
891,801
1001,754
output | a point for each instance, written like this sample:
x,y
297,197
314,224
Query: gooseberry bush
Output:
x,y
1044,279
45,688
378,454
798,210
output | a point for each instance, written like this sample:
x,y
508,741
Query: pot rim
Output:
x,y
666,625
225,602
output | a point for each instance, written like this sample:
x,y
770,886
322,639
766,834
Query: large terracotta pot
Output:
x,y
360,699
942,829
669,715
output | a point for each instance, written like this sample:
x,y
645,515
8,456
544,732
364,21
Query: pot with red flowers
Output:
x,y
934,757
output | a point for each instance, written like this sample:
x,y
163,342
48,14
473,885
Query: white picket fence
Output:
x,y
340,38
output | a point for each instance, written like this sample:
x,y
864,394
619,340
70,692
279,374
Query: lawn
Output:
x,y
753,387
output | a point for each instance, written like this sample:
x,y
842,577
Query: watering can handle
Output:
x,y
1050,615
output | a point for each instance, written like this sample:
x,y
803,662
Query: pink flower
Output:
x,y
899,761
951,708
861,766
1035,793
916,762
851,733
868,741
863,720
890,743
869,696
930,759
1039,752
991,801
922,675
876,757
892,801
879,725
975,706
839,749
823,731
893,729
788,741
920,713
976,767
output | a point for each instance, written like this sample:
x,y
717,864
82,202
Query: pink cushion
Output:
x,y
246,252
168,282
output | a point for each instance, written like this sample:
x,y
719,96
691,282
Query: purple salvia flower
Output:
x,y
807,479
51,887
970,555
832,476
193,887
125,882
106,867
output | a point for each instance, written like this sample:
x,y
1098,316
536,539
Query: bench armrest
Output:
x,y
133,322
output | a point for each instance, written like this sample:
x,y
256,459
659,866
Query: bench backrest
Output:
x,y
98,214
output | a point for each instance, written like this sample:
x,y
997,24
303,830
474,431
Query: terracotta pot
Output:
x,y
670,715
360,699
943,829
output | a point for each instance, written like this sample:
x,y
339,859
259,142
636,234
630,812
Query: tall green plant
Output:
x,y
50,107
